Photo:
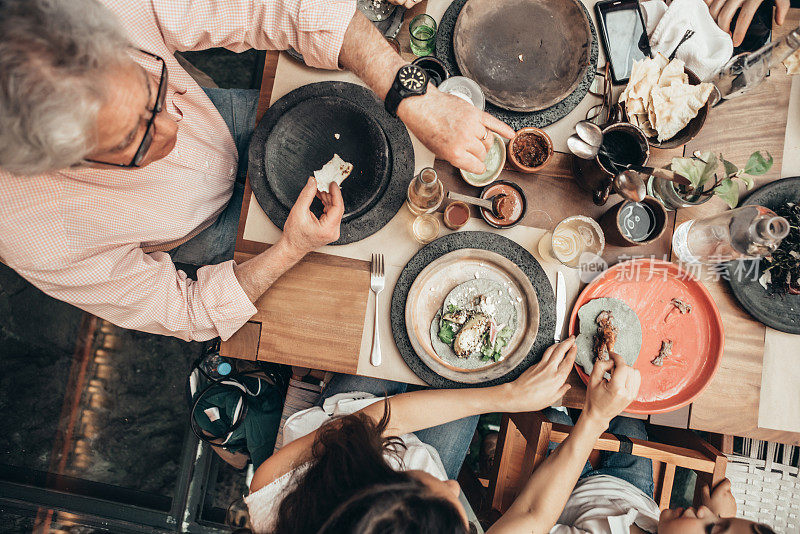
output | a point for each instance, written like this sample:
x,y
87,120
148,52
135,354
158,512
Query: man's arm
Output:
x,y
302,233
545,494
450,127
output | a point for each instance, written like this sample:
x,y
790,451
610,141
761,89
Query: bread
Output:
x,y
659,99
336,170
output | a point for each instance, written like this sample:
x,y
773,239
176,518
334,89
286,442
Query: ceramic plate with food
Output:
x,y
681,330
769,288
472,315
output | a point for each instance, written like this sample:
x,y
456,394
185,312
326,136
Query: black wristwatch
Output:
x,y
410,80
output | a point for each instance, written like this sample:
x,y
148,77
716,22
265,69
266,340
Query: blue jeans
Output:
x,y
215,244
634,469
451,440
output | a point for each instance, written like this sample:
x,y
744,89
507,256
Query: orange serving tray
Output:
x,y
648,286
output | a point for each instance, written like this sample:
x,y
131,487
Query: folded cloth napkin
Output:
x,y
706,52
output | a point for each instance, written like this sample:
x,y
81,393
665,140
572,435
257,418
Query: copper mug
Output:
x,y
597,175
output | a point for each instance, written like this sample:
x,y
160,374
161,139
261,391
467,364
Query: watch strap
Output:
x,y
393,98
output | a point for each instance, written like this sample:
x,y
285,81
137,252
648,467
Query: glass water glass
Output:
x,y
423,35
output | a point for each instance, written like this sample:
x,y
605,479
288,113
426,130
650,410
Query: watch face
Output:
x,y
412,78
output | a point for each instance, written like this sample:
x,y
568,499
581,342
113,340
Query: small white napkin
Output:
x,y
706,52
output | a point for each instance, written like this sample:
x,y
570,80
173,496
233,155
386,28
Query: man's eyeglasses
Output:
x,y
147,140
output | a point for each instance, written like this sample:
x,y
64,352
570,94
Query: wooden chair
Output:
x,y
524,438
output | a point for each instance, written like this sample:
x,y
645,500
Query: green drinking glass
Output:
x,y
423,35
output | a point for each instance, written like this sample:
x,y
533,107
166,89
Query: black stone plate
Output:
x,y
296,136
781,312
304,138
480,240
446,53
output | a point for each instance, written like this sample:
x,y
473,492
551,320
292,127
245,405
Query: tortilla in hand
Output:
x,y
629,337
336,170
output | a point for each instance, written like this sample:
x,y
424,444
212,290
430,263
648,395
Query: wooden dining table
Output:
x,y
331,284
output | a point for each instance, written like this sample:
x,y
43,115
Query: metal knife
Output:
x,y
561,305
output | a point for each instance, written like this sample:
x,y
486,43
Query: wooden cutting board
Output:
x,y
301,322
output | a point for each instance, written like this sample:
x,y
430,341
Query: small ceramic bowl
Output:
x,y
437,71
617,235
529,131
488,177
487,216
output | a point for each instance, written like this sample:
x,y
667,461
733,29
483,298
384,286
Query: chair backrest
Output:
x,y
524,439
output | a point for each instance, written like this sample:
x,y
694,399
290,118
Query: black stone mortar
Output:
x,y
399,165
516,119
475,240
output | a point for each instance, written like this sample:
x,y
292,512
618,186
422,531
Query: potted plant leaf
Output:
x,y
702,171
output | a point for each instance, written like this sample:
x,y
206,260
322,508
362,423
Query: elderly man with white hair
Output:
x,y
115,163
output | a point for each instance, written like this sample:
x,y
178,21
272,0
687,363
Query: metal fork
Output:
x,y
686,36
377,280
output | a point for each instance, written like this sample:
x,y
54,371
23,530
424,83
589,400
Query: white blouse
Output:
x,y
604,504
263,504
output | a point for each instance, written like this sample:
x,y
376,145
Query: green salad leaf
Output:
x,y
446,334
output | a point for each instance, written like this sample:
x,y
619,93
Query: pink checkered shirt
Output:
x,y
77,235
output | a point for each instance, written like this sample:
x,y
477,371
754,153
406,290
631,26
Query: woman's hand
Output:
x,y
606,399
720,501
723,12
542,384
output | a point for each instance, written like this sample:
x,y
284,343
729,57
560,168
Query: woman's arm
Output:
x,y
537,388
544,496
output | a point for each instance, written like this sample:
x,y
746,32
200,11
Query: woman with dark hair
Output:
x,y
381,467
352,476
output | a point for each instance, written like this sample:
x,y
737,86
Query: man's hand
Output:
x,y
452,128
542,384
720,501
606,399
723,12
303,232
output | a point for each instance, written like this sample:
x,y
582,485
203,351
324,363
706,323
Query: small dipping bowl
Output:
x,y
494,162
514,205
630,224
456,215
465,89
520,136
437,72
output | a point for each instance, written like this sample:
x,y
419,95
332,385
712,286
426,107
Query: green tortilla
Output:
x,y
463,295
629,337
